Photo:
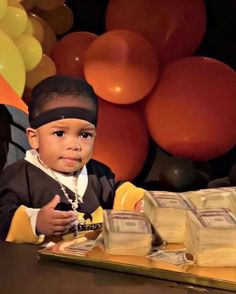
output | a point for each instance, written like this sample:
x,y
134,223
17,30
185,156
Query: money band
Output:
x,y
63,113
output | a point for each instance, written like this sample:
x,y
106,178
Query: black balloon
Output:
x,y
89,15
221,182
232,175
178,174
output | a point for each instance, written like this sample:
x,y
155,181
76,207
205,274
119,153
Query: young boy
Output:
x,y
57,186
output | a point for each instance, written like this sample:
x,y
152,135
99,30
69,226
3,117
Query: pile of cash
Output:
x,y
224,197
211,237
126,233
167,212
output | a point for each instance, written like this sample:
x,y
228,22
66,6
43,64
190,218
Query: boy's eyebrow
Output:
x,y
84,127
88,128
59,127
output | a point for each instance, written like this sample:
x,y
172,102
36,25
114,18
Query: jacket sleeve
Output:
x,y
21,230
127,196
15,225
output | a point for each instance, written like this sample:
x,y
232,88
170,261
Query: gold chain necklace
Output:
x,y
74,203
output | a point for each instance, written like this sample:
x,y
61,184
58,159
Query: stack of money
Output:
x,y
211,237
126,233
214,198
167,213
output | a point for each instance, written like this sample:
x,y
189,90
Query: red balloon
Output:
x,y
122,139
68,54
192,112
121,66
175,28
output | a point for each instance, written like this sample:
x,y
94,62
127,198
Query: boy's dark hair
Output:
x,y
59,86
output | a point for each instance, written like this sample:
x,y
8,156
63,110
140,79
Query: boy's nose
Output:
x,y
75,147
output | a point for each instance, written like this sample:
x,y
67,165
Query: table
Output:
x,y
22,272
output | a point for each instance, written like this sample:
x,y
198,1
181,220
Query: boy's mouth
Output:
x,y
72,159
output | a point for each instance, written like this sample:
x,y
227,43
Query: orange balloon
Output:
x,y
28,4
9,97
122,139
35,28
175,28
60,19
69,52
121,66
192,112
49,37
46,68
49,4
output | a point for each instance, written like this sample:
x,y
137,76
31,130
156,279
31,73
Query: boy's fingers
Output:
x,y
63,214
53,203
58,230
63,221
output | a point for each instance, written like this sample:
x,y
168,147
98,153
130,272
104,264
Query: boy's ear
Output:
x,y
33,138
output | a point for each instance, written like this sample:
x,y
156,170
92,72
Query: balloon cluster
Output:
x,y
28,30
143,70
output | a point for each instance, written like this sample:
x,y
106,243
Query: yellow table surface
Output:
x,y
215,277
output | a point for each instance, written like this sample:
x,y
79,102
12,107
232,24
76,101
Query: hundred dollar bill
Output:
x,y
81,247
217,218
171,200
178,257
127,222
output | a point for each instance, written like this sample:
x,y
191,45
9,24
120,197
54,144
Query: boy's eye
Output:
x,y
59,133
85,135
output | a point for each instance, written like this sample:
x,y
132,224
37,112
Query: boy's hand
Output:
x,y
139,206
54,222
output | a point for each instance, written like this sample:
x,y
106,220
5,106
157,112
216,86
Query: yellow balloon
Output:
x,y
12,2
49,4
29,30
46,68
30,49
35,28
18,5
11,63
14,21
3,8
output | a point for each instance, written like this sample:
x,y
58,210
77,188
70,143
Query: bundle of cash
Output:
x,y
224,197
167,213
211,237
126,233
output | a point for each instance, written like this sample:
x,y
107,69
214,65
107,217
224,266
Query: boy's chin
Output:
x,y
67,170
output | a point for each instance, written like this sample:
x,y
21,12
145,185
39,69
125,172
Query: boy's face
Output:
x,y
64,145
